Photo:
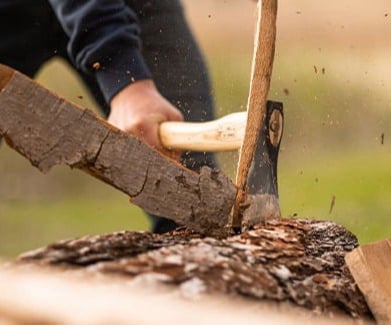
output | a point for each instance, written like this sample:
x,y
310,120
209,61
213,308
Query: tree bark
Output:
x,y
289,260
48,131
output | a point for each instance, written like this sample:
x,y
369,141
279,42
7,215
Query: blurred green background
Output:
x,y
333,73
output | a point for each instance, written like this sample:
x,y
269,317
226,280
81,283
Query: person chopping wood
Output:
x,y
138,58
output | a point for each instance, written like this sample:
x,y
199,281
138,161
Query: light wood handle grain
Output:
x,y
223,134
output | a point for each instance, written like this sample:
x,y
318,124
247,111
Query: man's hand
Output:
x,y
139,108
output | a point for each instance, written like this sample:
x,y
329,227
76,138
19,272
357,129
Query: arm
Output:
x,y
104,41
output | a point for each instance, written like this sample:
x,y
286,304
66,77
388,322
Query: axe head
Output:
x,y
263,202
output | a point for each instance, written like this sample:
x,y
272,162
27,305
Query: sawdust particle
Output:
x,y
96,66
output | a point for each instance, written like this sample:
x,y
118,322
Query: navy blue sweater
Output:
x,y
103,40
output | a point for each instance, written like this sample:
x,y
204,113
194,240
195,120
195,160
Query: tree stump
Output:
x,y
289,260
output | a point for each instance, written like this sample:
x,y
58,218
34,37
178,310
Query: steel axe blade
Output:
x,y
262,202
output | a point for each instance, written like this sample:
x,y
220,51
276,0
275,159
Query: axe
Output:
x,y
258,132
227,134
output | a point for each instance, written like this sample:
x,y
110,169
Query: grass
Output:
x,y
360,182
27,225
37,209
331,146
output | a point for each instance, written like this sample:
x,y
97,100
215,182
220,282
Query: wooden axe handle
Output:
x,y
223,134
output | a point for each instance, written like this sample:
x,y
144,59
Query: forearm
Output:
x,y
103,41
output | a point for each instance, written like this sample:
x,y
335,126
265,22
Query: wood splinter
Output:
x,y
256,108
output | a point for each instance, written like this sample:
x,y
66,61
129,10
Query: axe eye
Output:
x,y
275,127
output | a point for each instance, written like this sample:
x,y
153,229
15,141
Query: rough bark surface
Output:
x,y
48,131
298,261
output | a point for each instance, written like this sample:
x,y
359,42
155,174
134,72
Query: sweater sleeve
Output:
x,y
103,41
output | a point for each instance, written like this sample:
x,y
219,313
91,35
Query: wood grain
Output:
x,y
370,266
48,130
259,88
223,134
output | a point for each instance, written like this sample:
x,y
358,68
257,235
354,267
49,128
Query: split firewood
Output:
x,y
49,131
288,260
262,66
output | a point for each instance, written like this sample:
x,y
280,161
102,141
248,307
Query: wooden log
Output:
x,y
31,295
48,130
288,260
370,266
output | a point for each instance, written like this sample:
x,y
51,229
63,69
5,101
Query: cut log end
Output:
x,y
370,266
288,260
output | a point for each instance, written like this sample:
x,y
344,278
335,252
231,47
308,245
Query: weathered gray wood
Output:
x,y
48,130
288,260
